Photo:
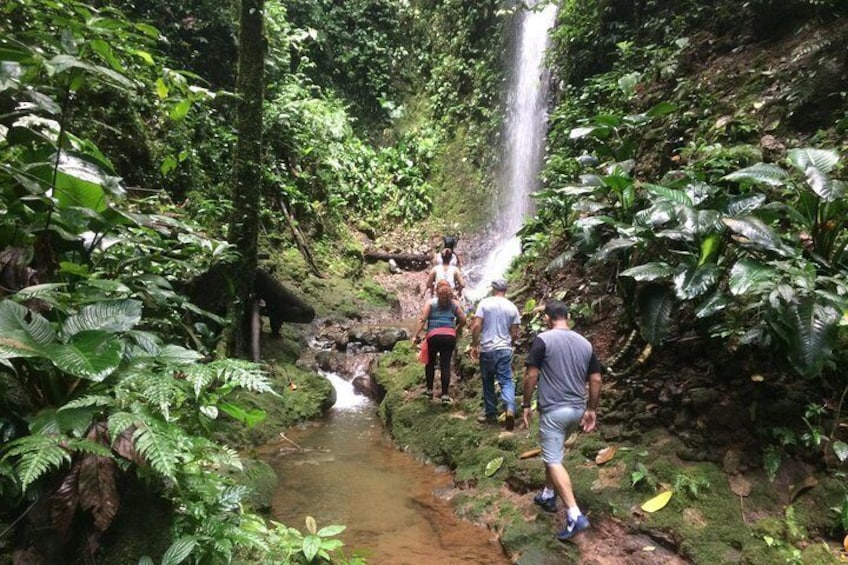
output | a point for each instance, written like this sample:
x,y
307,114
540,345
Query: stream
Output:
x,y
396,509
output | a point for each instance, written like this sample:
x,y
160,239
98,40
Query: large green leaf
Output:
x,y
749,275
90,355
108,315
822,159
755,231
672,194
649,271
745,204
761,173
23,333
656,304
694,282
715,302
810,330
179,551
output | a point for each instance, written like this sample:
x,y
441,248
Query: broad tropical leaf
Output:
x,y
810,330
177,355
756,232
110,315
656,304
649,271
678,196
716,302
560,261
761,173
98,491
745,204
23,333
90,355
179,551
493,466
694,282
822,159
613,246
748,274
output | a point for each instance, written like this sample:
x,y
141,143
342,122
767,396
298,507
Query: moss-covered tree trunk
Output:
x,y
247,172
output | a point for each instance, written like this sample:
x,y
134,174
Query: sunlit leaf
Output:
x,y
658,502
91,355
493,466
755,231
649,271
840,449
605,454
761,173
179,551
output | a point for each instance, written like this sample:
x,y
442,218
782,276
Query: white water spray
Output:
x,y
525,130
346,397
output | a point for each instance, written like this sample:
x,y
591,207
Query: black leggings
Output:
x,y
443,345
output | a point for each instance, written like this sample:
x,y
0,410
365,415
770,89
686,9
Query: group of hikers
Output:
x,y
560,363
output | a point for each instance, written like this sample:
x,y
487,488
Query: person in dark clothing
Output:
x,y
444,320
563,363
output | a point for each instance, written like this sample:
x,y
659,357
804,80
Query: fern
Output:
x,y
89,400
243,374
158,448
89,446
36,456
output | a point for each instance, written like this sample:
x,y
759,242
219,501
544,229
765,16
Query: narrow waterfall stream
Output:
x,y
393,506
524,134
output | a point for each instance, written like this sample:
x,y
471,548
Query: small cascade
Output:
x,y
347,400
524,145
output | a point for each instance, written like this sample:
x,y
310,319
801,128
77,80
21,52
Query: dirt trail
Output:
x,y
608,541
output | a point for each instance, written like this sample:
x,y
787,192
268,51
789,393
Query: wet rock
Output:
x,y
363,335
703,397
322,360
732,461
389,337
365,386
773,150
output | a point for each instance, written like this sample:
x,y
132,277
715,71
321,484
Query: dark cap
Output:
x,y
499,284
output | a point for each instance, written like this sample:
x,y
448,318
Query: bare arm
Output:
x,y
476,329
531,376
422,319
589,418
428,286
460,317
459,280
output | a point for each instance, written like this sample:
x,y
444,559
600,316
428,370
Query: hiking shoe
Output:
x,y
509,421
428,394
573,527
546,504
487,419
446,399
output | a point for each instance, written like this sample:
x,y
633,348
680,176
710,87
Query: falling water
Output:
x,y
525,140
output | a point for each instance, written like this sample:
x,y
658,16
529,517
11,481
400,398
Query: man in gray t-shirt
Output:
x,y
562,362
493,333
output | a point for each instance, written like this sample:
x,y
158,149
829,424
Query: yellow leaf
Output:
x,y
605,455
658,502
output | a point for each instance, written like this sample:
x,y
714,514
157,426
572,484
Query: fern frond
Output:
x,y
86,401
158,448
119,422
37,455
233,371
89,446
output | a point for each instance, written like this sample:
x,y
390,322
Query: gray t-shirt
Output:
x,y
565,360
498,315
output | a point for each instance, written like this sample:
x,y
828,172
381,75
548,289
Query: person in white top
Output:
x,y
445,272
493,335
449,243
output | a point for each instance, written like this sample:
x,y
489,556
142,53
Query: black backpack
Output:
x,y
449,241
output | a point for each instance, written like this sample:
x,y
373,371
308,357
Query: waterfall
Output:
x,y
346,397
524,134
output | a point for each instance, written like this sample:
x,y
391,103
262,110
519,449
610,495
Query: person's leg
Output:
x,y
430,367
445,356
487,372
554,429
504,376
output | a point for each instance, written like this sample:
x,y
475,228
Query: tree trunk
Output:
x,y
247,172
414,261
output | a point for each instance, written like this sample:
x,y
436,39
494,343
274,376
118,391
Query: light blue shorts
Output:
x,y
554,428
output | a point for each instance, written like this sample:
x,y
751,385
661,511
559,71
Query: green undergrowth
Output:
x,y
704,522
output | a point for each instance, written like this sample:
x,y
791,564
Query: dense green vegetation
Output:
x,y
695,171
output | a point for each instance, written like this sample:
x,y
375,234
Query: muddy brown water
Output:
x,y
394,507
